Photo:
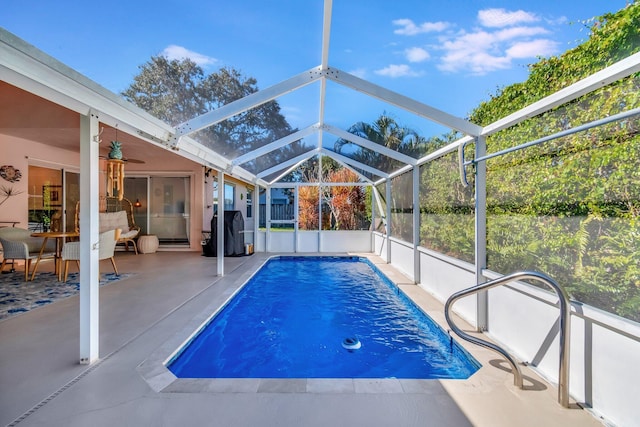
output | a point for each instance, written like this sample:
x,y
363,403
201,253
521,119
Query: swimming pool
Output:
x,y
321,317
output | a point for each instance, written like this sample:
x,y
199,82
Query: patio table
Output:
x,y
60,237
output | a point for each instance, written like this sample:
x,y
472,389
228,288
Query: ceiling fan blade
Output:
x,y
126,160
135,161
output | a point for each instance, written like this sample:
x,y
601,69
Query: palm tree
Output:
x,y
388,133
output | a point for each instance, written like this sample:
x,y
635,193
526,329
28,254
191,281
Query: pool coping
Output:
x,y
161,380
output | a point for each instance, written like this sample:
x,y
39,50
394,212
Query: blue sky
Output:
x,y
448,54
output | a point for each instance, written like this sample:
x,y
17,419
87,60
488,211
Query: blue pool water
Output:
x,y
303,317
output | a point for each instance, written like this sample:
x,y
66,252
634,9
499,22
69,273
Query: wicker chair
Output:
x,y
106,249
124,221
17,243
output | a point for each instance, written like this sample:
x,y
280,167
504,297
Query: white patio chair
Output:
x,y
106,249
17,243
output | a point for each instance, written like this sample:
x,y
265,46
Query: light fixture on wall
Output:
x,y
207,173
137,204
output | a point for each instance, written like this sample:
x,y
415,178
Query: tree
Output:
x,y
172,91
386,132
345,203
176,91
308,214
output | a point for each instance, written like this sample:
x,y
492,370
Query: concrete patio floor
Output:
x,y
42,384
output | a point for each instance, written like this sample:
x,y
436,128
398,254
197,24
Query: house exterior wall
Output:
x,y
21,153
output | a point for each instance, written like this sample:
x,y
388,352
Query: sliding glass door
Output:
x,y
161,206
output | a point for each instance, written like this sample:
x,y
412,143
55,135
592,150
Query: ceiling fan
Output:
x,y
124,159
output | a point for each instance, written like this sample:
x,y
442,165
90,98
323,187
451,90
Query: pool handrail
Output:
x,y
565,325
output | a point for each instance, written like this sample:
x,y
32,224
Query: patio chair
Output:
x,y
106,249
17,244
114,214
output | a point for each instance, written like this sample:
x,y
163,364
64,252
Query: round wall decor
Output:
x,y
9,173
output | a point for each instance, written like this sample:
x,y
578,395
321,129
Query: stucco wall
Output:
x,y
21,153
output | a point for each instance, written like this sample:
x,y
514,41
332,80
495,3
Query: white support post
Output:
x,y
416,224
373,215
388,224
255,201
267,219
220,226
89,207
482,318
296,190
320,241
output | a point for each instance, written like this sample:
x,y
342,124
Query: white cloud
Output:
x,y
481,51
172,52
393,70
498,18
502,37
416,54
474,62
409,28
515,32
532,49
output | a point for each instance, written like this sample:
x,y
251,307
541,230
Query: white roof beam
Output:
x,y
324,64
326,33
617,71
446,149
197,152
287,171
363,142
354,163
613,73
28,68
403,102
290,162
296,136
248,102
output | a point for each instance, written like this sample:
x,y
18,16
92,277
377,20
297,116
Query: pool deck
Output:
x,y
144,316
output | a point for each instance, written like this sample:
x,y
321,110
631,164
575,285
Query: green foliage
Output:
x,y
447,214
614,36
569,207
402,207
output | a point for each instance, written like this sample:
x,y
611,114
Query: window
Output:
x,y
229,196
249,203
45,199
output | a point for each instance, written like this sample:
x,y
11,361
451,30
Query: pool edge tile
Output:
x,y
278,385
330,385
366,386
417,386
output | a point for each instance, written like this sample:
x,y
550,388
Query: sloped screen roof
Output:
x,y
373,153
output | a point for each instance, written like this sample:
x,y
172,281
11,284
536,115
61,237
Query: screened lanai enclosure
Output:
x,y
547,183
553,187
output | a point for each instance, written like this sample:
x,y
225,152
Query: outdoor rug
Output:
x,y
18,296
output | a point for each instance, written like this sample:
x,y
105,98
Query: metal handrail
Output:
x,y
462,163
565,324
